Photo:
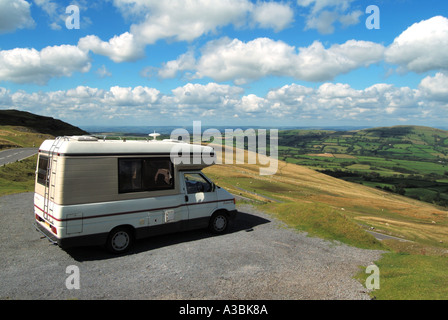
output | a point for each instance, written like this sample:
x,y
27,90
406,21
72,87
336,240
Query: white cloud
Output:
x,y
336,102
23,65
351,18
179,20
176,20
127,96
315,63
83,93
119,48
421,47
102,72
184,62
435,87
5,98
251,104
318,5
127,105
325,13
227,59
49,7
330,103
186,21
277,16
205,95
15,14
323,22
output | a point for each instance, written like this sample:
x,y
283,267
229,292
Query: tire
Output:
x,y
219,222
120,240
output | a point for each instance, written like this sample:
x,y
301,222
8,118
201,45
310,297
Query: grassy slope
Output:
x,y
37,123
18,176
20,137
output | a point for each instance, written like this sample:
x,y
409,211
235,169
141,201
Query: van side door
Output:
x,y
200,197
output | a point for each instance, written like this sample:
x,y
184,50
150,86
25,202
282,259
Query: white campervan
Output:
x,y
92,191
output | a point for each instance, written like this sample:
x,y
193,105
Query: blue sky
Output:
x,y
227,62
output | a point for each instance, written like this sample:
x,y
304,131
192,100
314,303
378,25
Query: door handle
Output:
x,y
186,198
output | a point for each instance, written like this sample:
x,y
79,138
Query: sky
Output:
x,y
232,63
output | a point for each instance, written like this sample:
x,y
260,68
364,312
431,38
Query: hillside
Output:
x,y
24,129
293,184
408,160
37,123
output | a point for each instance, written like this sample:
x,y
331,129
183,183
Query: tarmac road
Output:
x,y
259,258
12,155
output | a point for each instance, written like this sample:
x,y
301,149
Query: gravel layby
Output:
x,y
258,259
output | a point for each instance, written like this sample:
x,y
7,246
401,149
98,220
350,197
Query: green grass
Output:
x,y
12,137
18,176
405,276
323,221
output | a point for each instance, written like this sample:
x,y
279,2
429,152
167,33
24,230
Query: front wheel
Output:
x,y
219,222
120,240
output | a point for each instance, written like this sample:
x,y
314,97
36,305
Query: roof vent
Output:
x,y
84,138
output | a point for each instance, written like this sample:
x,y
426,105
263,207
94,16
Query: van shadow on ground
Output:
x,y
244,222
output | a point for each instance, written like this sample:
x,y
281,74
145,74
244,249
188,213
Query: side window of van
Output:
x,y
196,183
42,170
145,174
157,174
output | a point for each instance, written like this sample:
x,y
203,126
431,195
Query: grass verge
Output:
x,y
410,276
18,176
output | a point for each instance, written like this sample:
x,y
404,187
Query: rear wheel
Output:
x,y
120,240
219,222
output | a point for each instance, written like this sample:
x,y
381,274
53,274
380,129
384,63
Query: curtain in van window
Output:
x,y
130,175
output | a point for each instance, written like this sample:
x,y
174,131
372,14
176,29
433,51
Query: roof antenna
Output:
x,y
154,135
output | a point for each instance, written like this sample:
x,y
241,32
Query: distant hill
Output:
x,y
37,123
398,142
19,129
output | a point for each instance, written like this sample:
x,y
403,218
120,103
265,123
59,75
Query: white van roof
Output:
x,y
88,145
